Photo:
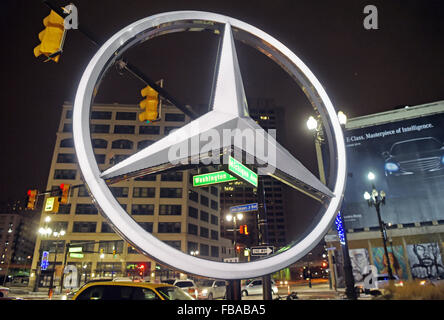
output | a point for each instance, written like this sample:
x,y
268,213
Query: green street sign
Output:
x,y
76,255
212,178
75,249
242,171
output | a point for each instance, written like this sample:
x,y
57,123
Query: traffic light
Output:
x,y
243,229
65,193
51,38
324,264
150,104
114,253
32,197
142,269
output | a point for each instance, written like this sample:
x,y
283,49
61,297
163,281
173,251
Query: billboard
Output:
x,y
407,158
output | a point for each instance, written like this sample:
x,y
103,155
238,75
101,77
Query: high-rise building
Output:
x,y
165,204
269,117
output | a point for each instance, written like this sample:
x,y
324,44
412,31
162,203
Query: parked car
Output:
x,y
111,290
188,286
4,291
255,287
211,289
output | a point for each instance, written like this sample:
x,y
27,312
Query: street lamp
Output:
x,y
230,217
194,252
316,126
376,199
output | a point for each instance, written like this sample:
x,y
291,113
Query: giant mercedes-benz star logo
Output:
x,y
228,111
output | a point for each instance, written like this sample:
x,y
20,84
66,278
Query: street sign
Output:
x,y
76,255
45,263
262,251
75,249
242,171
212,178
231,259
52,204
244,208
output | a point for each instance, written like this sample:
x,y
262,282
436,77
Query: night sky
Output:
x,y
363,71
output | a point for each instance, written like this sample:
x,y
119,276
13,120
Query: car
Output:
x,y
188,286
210,289
422,157
255,287
120,290
4,291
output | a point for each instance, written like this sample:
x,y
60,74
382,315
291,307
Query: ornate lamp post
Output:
x,y
376,199
230,217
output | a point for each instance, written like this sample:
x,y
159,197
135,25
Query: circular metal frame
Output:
x,y
123,223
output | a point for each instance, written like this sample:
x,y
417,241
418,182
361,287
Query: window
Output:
x,y
68,114
192,229
85,246
148,177
122,144
142,209
99,143
124,129
168,129
171,176
64,208
176,244
193,195
204,232
180,117
214,235
66,158
171,192
126,116
214,191
106,228
121,192
101,115
214,220
59,225
144,143
214,251
214,205
141,192
85,208
170,209
204,200
99,128
65,174
67,143
100,158
204,215
193,212
118,158
84,227
149,130
109,247
204,249
67,127
147,226
168,227
192,246
83,192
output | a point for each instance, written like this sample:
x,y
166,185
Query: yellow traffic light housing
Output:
x,y
150,104
32,198
65,193
52,37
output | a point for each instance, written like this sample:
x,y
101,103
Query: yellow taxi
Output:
x,y
128,290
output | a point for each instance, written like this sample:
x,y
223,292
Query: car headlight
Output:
x,y
205,292
392,167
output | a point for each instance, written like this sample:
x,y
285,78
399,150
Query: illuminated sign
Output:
x,y
242,171
45,263
245,208
52,204
75,249
212,178
76,255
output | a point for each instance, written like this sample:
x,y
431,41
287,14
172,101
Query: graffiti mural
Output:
x,y
397,261
360,261
425,260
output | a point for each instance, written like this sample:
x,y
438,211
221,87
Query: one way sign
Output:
x,y
262,251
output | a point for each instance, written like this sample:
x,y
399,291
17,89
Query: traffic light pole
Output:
x,y
132,69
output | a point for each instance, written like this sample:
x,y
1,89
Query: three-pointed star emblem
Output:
x,y
229,111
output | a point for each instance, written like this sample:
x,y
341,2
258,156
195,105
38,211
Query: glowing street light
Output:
x,y
342,118
312,123
371,176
